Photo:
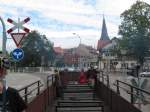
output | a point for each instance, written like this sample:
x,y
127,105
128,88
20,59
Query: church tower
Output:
x,y
104,39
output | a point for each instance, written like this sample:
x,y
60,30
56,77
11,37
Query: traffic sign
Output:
x,y
17,54
17,37
18,25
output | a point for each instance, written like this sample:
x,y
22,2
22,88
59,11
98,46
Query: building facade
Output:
x,y
108,60
81,57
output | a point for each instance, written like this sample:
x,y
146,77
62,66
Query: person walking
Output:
x,y
82,77
58,83
92,75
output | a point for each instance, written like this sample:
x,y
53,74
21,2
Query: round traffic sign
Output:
x,y
17,54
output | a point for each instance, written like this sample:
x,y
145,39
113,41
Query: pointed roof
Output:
x,y
104,34
104,40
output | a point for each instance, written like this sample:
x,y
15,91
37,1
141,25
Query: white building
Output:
x,y
107,59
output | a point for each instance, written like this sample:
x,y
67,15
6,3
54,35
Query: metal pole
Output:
x,y
4,54
139,86
132,92
4,37
118,91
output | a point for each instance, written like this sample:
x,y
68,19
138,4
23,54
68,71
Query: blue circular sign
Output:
x,y
17,54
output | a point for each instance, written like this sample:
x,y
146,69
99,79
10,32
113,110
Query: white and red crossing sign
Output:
x,y
17,37
18,25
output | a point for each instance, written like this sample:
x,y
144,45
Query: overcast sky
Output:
x,y
58,19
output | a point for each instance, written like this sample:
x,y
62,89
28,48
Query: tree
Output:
x,y
37,49
135,31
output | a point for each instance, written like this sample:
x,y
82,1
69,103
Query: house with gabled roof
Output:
x,y
109,60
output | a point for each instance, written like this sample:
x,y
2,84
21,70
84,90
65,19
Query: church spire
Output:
x,y
104,34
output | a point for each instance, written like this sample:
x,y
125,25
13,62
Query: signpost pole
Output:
x,y
4,54
4,37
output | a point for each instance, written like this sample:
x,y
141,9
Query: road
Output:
x,y
19,80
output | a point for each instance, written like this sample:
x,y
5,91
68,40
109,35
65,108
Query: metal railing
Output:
x,y
29,89
43,99
133,91
103,78
110,93
51,81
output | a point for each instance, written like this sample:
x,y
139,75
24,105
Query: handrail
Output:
x,y
28,85
32,90
134,87
25,89
131,92
118,87
104,78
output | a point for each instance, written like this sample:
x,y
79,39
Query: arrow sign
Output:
x,y
17,54
17,37
18,25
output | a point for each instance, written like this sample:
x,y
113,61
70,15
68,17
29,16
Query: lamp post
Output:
x,y
4,37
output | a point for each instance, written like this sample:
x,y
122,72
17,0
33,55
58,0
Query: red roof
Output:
x,y
58,50
102,43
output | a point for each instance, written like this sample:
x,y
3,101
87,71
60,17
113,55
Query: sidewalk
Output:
x,y
122,77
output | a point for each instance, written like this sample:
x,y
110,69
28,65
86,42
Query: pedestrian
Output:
x,y
82,77
92,75
10,100
58,83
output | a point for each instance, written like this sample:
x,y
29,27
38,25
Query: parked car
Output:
x,y
144,74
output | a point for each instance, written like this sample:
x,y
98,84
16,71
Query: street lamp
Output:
x,y
77,36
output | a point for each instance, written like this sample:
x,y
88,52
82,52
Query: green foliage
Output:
x,y
135,30
36,46
138,94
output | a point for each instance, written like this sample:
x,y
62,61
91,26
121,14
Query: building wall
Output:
x,y
83,56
